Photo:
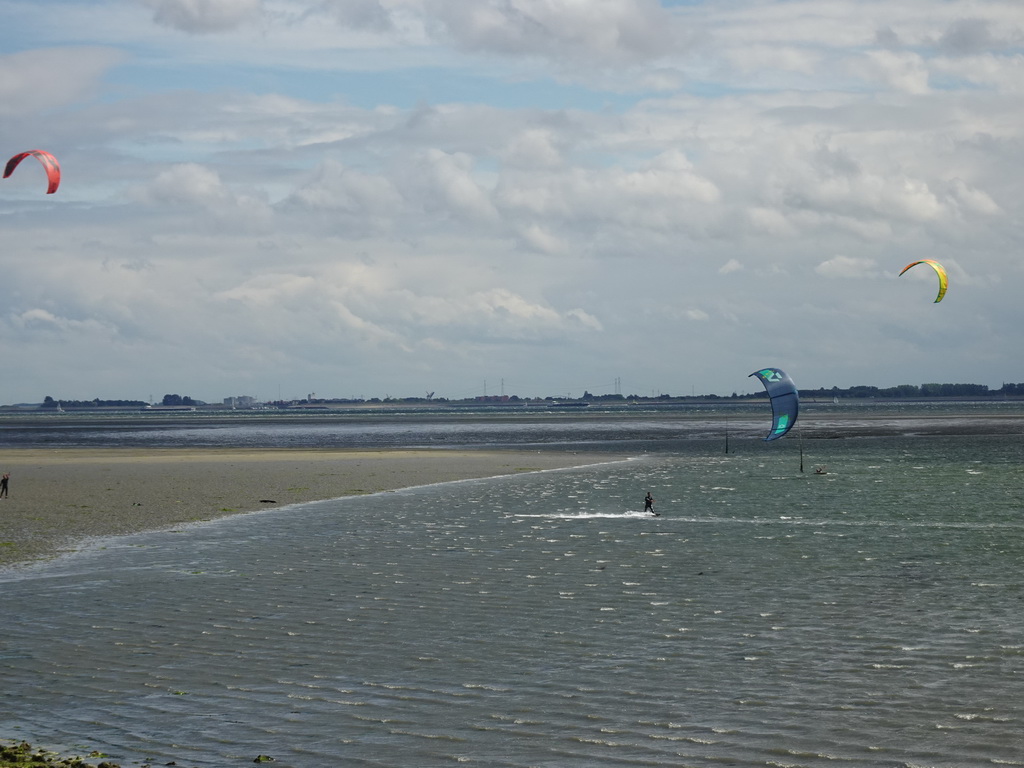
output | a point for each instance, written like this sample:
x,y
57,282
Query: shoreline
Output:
x,y
59,498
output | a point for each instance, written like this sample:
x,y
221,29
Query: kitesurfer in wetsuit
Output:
x,y
649,503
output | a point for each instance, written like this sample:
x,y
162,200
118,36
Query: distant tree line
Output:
x,y
904,391
901,392
49,402
178,400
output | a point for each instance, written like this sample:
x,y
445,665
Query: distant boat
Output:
x,y
169,408
569,405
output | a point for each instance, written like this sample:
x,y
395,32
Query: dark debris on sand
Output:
x,y
20,755
24,754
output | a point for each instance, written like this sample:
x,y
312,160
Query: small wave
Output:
x,y
586,515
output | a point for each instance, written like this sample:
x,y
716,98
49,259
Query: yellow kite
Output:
x,y
939,270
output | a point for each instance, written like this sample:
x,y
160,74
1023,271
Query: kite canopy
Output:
x,y
49,163
939,270
785,400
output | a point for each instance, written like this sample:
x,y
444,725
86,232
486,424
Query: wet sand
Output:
x,y
58,498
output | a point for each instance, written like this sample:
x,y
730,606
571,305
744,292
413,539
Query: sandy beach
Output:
x,y
58,498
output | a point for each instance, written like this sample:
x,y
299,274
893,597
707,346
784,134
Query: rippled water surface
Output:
x,y
870,616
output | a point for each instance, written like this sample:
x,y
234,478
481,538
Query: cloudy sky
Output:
x,y
361,198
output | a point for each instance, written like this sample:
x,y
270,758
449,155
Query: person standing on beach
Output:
x,y
3,484
649,503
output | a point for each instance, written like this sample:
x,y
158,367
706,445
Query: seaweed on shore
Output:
x,y
24,754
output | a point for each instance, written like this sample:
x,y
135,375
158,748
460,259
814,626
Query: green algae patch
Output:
x,y
23,754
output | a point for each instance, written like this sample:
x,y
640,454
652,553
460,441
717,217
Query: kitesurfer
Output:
x,y
3,484
649,503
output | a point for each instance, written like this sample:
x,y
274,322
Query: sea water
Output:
x,y
870,615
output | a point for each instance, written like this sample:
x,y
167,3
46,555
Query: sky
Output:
x,y
389,198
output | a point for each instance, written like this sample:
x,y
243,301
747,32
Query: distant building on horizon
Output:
x,y
240,401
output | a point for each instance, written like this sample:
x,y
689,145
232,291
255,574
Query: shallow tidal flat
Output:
x,y
60,497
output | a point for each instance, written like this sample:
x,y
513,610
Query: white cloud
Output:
x,y
35,81
844,267
188,184
360,14
205,16
771,221
200,193
381,191
968,36
661,194
533,148
606,31
906,72
757,58
1001,72
43,320
448,185
541,239
357,200
971,199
